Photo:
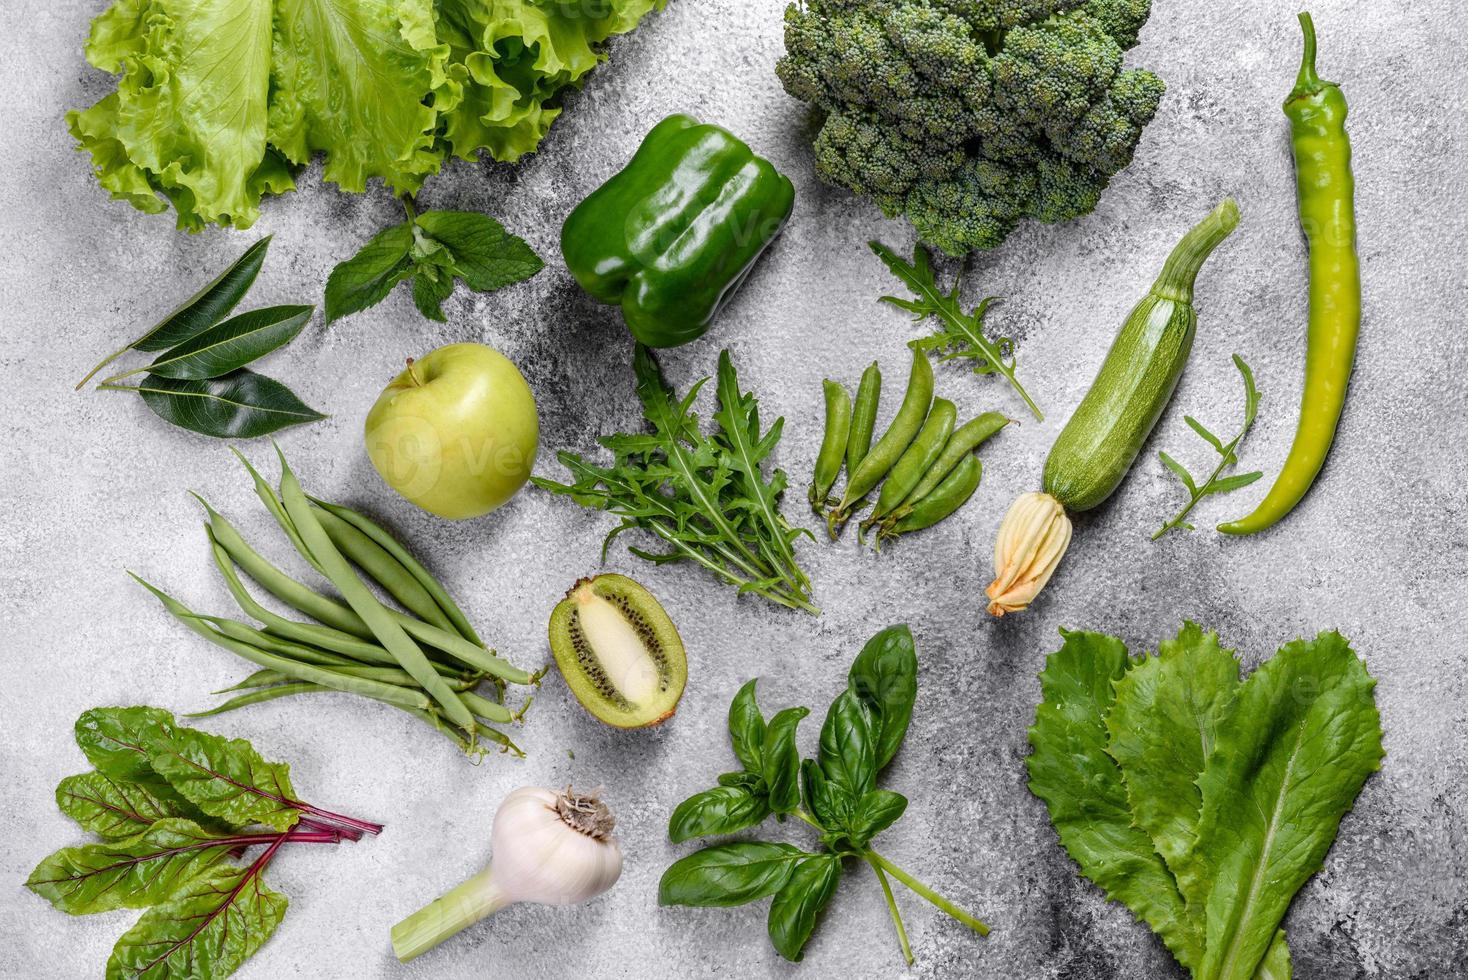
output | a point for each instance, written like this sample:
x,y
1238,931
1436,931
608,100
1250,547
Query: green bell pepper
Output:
x,y
671,236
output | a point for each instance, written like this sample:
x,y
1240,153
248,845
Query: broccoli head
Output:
x,y
969,115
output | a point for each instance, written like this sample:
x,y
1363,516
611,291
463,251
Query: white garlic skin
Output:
x,y
539,857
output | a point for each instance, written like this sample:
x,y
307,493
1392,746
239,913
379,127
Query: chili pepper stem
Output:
x,y
1308,81
892,908
926,892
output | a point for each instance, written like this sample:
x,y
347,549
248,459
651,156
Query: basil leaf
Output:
x,y
848,755
799,904
132,873
209,305
722,810
115,808
232,344
725,875
884,676
226,778
366,278
874,813
747,728
830,804
207,930
780,763
486,256
239,405
117,741
751,781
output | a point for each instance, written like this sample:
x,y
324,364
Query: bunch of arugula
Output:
x,y
173,805
200,381
835,793
1202,802
705,496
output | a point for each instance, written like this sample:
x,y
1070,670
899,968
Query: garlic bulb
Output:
x,y
548,847
1032,540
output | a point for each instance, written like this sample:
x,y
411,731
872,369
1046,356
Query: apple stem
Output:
x,y
417,381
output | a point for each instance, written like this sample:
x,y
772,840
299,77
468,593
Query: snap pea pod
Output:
x,y
833,446
326,677
386,570
415,568
965,439
388,631
946,498
921,455
863,416
904,428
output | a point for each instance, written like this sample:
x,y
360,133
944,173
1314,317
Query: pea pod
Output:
x,y
833,447
965,439
922,454
899,435
864,416
1327,202
946,498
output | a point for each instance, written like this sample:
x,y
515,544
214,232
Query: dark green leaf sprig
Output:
x,y
199,381
174,806
835,794
433,249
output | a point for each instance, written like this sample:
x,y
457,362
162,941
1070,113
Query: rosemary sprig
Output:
x,y
957,334
1227,453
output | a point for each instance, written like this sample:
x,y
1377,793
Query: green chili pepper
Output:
x,y
895,440
1326,190
833,447
863,416
949,495
921,455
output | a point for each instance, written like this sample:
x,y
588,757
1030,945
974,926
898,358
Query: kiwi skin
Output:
x,y
606,602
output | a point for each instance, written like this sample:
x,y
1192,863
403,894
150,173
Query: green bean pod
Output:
x,y
342,665
389,631
272,503
487,709
904,428
965,439
916,461
415,568
263,677
833,446
863,416
386,570
946,498
258,697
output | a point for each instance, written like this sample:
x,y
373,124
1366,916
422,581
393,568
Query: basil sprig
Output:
x,y
835,794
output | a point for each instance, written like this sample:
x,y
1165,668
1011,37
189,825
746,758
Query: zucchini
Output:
x,y
1102,439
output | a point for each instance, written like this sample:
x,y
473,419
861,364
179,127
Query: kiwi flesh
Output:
x,y
619,652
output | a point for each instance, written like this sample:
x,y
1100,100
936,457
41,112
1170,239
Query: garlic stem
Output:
x,y
451,913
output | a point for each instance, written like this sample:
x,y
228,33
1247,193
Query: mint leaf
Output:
x,y
366,278
486,256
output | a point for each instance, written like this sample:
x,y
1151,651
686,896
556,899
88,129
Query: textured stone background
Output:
x,y
93,484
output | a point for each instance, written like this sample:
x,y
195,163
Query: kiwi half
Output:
x,y
618,651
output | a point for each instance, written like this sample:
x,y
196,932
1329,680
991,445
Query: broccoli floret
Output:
x,y
970,115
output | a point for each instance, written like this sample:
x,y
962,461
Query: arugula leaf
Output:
x,y
747,727
1228,456
133,872
433,249
1082,787
884,676
116,808
874,813
1163,726
721,810
231,345
681,486
239,405
781,760
848,753
207,930
725,875
1300,741
958,333
226,778
799,904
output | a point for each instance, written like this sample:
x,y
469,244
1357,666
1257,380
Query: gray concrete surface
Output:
x,y
94,484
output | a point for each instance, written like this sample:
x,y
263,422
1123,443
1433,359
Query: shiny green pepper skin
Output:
x,y
671,236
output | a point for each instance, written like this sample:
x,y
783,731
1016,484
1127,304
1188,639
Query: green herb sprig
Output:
x,y
1228,455
705,496
957,334
200,381
174,806
835,794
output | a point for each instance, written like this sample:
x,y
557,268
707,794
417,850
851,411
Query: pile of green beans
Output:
x,y
423,658
929,466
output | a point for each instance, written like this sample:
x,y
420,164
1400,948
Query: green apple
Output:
x,y
456,433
